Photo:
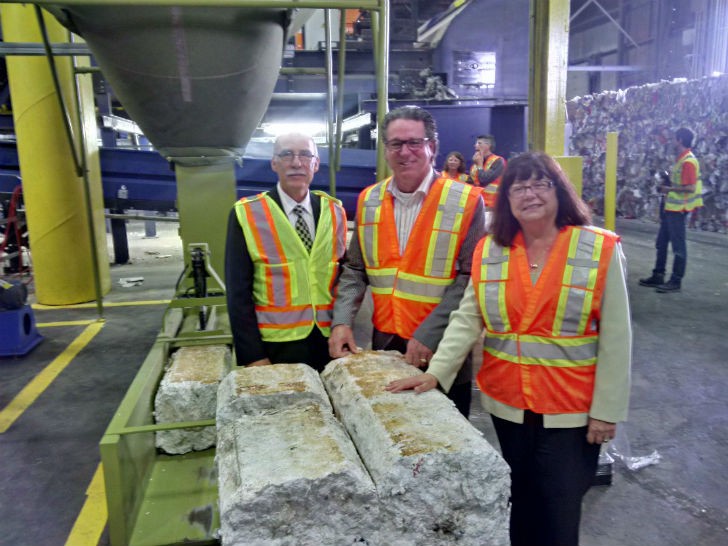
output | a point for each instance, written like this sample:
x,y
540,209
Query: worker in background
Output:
x,y
455,168
282,260
413,245
683,194
550,291
486,171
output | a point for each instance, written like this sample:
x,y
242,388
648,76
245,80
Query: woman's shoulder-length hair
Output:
x,y
572,210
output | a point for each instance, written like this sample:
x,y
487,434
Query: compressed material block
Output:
x,y
438,480
292,476
255,389
188,392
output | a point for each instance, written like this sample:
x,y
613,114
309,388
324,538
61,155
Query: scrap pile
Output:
x,y
646,118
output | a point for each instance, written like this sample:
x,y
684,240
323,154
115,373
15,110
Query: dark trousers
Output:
x,y
312,350
672,232
460,393
551,471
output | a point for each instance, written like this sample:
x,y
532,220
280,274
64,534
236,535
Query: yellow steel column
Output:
x,y
549,55
53,192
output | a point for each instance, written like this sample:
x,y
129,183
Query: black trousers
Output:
x,y
551,471
312,350
460,393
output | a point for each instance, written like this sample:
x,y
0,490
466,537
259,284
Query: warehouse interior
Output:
x,y
117,219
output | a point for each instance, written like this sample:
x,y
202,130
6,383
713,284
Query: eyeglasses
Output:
x,y
538,187
304,156
413,144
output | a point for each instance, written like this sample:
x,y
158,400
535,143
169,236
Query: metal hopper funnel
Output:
x,y
196,80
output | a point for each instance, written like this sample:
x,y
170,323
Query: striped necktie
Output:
x,y
302,228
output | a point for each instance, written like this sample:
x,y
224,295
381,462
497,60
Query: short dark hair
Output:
x,y
572,210
489,138
413,113
685,136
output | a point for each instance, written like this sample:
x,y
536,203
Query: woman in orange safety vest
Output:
x,y
549,290
454,167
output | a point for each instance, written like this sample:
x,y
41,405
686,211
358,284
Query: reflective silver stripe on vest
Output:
x,y
419,289
369,224
447,226
494,274
268,242
580,278
284,317
324,315
382,278
546,351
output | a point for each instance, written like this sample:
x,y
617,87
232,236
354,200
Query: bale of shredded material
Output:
x,y
188,392
292,476
438,480
255,389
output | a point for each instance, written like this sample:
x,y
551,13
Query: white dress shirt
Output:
x,y
289,204
407,206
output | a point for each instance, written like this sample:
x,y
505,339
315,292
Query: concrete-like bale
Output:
x,y
188,392
292,476
256,389
438,480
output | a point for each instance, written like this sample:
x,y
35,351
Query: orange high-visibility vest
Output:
x,y
491,190
407,288
540,349
293,290
680,201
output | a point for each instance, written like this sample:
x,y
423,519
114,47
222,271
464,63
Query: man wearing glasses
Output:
x,y
282,260
413,247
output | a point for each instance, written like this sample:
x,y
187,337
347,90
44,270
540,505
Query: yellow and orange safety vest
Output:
x,y
541,341
491,190
293,289
681,201
407,288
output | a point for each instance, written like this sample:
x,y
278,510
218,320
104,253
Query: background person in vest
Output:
x,y
682,195
280,291
486,170
550,291
454,167
413,246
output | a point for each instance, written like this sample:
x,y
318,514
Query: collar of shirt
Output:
x,y
289,203
421,190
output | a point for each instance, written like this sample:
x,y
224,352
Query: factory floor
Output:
x,y
56,402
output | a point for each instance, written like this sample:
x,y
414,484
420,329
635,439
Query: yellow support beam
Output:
x,y
549,52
